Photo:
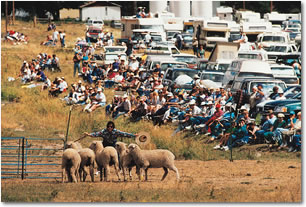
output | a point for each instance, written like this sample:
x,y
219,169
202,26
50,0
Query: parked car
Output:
x,y
152,60
216,77
162,49
172,74
282,106
115,24
187,41
241,69
247,84
92,33
278,50
289,93
216,67
285,73
95,22
191,60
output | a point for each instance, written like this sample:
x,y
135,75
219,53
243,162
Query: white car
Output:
x,y
96,23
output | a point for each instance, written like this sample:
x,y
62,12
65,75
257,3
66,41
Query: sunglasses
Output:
x,y
110,126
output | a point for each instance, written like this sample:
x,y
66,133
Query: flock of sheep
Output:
x,y
79,162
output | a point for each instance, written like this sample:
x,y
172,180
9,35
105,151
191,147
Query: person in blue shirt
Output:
x,y
239,136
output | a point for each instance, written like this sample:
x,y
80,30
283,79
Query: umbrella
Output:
x,y
209,84
183,79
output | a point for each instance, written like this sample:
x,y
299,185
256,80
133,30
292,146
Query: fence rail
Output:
x,y
38,157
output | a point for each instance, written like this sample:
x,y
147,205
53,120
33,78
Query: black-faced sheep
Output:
x,y
158,158
126,159
105,157
87,160
71,162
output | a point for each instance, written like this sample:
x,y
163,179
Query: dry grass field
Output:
x,y
256,175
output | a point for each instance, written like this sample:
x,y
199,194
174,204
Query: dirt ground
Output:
x,y
214,181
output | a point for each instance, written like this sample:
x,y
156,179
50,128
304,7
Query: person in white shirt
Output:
x,y
55,36
98,101
134,64
147,39
119,77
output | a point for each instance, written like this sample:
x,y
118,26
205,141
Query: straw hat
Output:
x,y
143,138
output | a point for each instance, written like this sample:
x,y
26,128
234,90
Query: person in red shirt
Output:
x,y
218,114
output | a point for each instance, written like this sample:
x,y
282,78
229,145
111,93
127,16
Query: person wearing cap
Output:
x,y
270,135
124,107
279,132
116,64
134,64
98,100
110,134
266,126
280,95
243,38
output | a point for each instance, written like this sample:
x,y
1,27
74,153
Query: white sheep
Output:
x,y
87,160
71,161
126,159
158,158
105,157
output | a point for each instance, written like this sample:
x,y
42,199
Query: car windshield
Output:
x,y
156,38
282,71
114,49
95,31
222,67
137,36
249,56
113,56
276,49
273,39
165,66
268,86
153,27
215,34
188,60
170,34
202,66
187,38
98,22
190,73
213,77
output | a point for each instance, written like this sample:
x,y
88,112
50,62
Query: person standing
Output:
x,y
55,36
110,134
129,46
202,52
195,46
62,38
76,59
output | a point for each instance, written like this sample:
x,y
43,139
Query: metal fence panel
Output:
x,y
31,157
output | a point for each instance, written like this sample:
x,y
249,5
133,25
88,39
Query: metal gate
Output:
x,y
31,157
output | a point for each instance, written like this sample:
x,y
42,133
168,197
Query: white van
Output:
x,y
95,22
241,69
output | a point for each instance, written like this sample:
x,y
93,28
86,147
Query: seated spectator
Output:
x,y
97,100
123,108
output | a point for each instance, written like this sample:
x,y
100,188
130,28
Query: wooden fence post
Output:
x,y
34,21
